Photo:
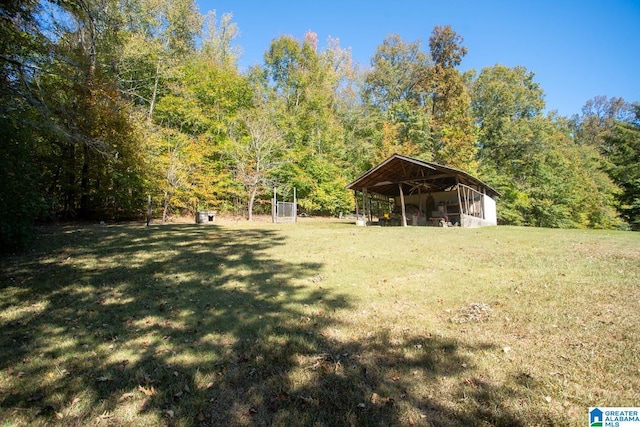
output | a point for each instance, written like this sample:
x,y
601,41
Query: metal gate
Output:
x,y
285,212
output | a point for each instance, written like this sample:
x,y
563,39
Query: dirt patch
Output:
x,y
476,312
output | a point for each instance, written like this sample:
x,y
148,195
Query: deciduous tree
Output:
x,y
453,131
257,149
622,150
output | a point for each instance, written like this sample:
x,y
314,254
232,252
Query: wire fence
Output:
x,y
285,212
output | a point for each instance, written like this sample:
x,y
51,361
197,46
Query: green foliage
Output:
x,y
117,100
192,123
622,149
306,84
256,151
422,100
547,179
502,99
397,67
320,185
20,203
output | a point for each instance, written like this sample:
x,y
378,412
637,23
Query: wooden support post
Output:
x,y
419,205
364,204
459,203
404,211
355,197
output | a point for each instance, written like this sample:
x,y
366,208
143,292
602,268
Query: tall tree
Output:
x,y
544,177
398,102
197,113
84,126
622,149
256,152
397,69
305,84
503,98
599,116
452,126
422,100
21,46
217,43
157,36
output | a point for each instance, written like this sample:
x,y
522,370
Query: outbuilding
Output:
x,y
406,191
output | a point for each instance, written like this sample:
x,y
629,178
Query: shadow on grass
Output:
x,y
194,326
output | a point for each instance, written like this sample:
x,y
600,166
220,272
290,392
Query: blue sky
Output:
x,y
577,49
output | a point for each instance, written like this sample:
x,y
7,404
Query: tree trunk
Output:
x,y
155,90
85,184
70,178
167,203
252,198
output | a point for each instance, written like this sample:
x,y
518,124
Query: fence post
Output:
x,y
274,207
295,206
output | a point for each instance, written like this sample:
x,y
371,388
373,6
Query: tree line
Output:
x,y
106,102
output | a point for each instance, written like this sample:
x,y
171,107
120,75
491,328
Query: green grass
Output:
x,y
319,324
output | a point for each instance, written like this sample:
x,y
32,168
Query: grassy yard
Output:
x,y
318,324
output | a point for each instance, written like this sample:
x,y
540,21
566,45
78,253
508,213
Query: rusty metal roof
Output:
x,y
413,174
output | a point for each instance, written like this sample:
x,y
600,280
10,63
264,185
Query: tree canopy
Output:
x,y
107,102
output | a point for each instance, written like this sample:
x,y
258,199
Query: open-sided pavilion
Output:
x,y
406,191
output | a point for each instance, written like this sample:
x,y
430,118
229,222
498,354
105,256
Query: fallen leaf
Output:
x,y
169,413
147,391
125,397
102,379
470,382
548,399
396,377
201,417
377,399
75,401
105,415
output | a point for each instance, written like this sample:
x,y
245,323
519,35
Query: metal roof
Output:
x,y
413,174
